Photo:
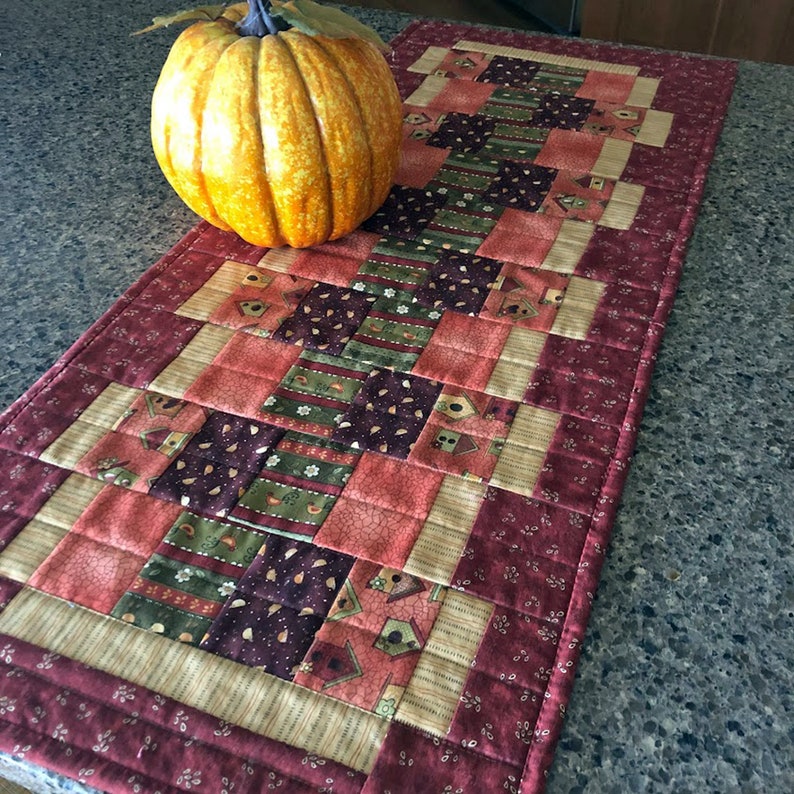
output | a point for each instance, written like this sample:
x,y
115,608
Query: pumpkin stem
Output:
x,y
258,21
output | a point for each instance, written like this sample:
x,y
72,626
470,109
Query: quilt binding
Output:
x,y
561,681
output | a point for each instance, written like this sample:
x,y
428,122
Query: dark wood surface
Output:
x,y
759,30
485,12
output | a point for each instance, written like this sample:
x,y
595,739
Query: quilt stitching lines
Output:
x,y
516,202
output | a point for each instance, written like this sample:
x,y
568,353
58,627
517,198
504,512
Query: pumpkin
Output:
x,y
283,137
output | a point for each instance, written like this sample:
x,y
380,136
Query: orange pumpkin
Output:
x,y
286,138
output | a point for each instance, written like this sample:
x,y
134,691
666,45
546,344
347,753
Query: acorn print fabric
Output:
x,y
332,519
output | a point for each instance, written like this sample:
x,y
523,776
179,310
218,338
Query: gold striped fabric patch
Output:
x,y
643,92
569,246
517,361
182,372
655,128
431,59
525,450
233,692
622,207
575,315
95,422
438,549
434,691
215,290
8,787
545,57
280,259
48,527
429,89
613,159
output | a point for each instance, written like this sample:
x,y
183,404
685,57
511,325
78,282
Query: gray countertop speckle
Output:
x,y
686,682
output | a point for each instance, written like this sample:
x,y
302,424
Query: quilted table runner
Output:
x,y
333,519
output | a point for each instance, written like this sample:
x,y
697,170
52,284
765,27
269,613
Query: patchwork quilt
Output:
x,y
333,519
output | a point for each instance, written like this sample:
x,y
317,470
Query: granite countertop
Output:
x,y
686,681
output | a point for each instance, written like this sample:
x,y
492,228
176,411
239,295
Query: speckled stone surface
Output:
x,y
686,681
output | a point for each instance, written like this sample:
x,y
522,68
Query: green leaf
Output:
x,y
311,18
205,13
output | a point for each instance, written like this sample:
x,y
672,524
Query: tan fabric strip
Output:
x,y
525,450
457,632
613,159
517,362
47,528
569,247
655,128
215,290
623,205
233,692
575,315
280,259
8,786
429,89
545,57
182,372
96,421
440,544
643,93
434,691
430,60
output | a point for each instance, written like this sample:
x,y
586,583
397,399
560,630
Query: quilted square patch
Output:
x,y
388,413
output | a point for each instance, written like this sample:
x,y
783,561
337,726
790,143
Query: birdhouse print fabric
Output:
x,y
332,519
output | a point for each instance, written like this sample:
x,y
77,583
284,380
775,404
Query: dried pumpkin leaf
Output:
x,y
314,19
205,13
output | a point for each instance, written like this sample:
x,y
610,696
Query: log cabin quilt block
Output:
x,y
332,519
